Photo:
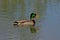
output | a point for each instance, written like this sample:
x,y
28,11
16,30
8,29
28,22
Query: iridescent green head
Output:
x,y
33,15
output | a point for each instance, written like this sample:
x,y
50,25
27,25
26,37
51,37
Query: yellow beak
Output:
x,y
37,16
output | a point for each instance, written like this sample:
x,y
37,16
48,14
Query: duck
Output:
x,y
30,22
24,23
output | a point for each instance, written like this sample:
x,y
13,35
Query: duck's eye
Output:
x,y
33,15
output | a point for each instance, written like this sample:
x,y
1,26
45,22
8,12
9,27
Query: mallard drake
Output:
x,y
24,23
27,22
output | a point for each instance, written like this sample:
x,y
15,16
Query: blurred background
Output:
x,y
48,23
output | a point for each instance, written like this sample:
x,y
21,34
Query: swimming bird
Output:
x,y
30,22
